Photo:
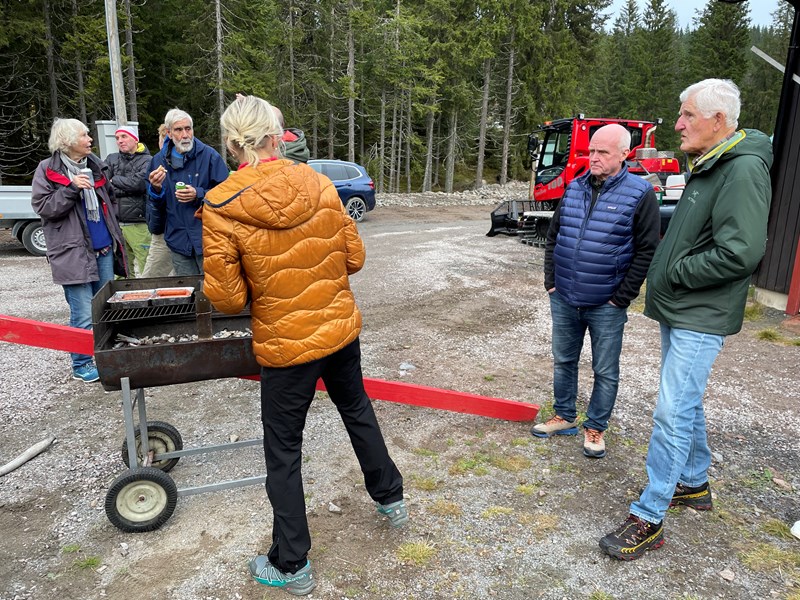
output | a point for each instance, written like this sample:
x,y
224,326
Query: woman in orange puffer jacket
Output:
x,y
275,234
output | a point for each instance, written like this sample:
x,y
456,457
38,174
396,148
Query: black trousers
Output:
x,y
286,396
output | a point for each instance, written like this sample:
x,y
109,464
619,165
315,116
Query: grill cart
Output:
x,y
154,332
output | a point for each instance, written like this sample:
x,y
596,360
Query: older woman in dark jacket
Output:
x,y
73,196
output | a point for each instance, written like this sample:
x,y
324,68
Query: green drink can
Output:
x,y
180,186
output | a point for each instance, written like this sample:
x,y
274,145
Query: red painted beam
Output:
x,y
70,339
793,302
46,335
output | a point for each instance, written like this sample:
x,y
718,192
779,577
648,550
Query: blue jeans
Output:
x,y
678,450
79,297
606,324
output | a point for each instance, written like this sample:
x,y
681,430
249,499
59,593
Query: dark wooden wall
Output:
x,y
775,271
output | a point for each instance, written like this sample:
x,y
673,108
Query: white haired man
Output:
x,y
180,175
697,289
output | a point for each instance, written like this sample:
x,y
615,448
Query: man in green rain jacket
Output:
x,y
697,288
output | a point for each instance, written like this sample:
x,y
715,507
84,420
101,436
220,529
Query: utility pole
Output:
x,y
115,60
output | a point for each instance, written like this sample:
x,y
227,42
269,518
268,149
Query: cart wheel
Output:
x,y
141,500
161,437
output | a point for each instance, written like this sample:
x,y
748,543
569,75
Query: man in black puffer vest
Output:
x,y
129,169
601,240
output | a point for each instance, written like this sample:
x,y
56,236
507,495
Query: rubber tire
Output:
x,y
141,500
33,238
162,437
356,208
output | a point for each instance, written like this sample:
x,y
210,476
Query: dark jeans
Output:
x,y
286,396
186,266
606,324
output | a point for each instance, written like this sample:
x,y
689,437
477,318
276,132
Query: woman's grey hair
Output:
x,y
65,133
176,114
246,125
711,96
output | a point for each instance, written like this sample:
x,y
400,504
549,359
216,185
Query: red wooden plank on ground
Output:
x,y
70,339
46,335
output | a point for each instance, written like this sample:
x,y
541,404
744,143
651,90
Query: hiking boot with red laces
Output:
x,y
633,538
555,426
593,444
698,498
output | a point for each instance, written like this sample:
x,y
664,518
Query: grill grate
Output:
x,y
147,312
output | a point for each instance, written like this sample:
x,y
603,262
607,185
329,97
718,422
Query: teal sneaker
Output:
x,y
396,511
299,584
87,373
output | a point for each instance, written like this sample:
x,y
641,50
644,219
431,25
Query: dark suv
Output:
x,y
355,187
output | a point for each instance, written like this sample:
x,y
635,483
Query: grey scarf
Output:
x,y
89,196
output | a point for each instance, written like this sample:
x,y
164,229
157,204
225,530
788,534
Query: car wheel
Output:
x,y
33,239
356,208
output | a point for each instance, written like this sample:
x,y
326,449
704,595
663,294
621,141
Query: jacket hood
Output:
x,y
274,195
744,142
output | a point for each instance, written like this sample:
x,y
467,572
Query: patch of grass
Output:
x,y
778,529
488,377
71,548
475,464
90,562
769,335
540,524
758,479
527,489
795,342
511,463
753,311
425,452
520,442
766,557
445,508
600,595
417,553
352,591
496,511
427,484
546,411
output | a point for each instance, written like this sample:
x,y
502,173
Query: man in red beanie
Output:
x,y
129,169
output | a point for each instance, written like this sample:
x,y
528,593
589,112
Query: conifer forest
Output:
x,y
428,95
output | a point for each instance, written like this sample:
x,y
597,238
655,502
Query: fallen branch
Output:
x,y
26,456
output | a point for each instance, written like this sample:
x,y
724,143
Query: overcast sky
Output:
x,y
760,10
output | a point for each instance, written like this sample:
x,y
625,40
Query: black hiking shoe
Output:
x,y
698,498
633,538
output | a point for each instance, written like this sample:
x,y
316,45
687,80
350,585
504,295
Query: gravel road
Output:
x,y
495,512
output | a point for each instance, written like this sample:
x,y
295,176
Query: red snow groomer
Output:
x,y
561,156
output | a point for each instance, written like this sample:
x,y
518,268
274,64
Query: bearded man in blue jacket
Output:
x,y
600,243
194,168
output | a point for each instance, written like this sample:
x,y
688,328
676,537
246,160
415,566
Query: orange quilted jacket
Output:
x,y
278,236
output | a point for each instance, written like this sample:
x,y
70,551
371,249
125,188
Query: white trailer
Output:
x,y
17,214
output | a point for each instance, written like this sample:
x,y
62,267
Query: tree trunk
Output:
x,y
408,145
132,103
507,120
79,67
51,66
382,142
426,180
393,148
487,72
291,59
351,87
220,92
314,132
450,161
331,116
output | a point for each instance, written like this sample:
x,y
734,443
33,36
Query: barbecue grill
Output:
x,y
189,341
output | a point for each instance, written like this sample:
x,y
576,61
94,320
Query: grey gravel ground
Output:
x,y
505,515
